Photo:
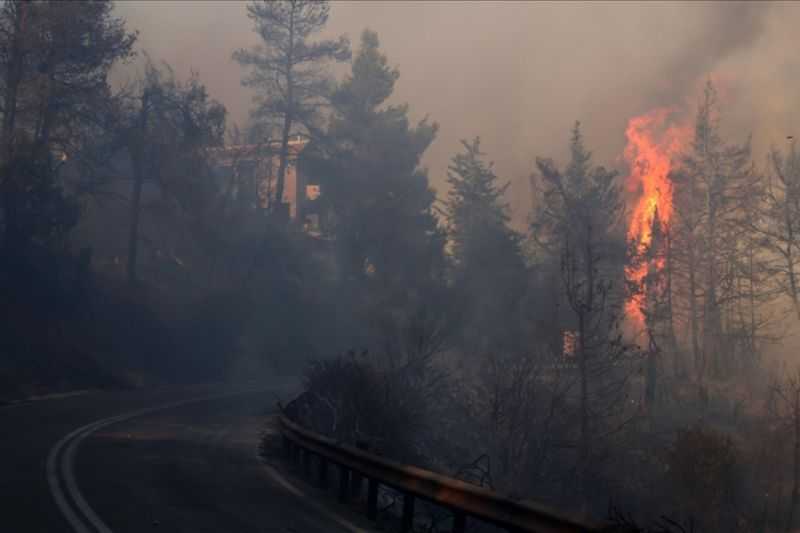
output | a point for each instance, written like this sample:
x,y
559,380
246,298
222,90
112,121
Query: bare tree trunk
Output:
x,y
583,337
672,344
711,311
790,200
789,222
792,280
653,316
133,234
796,459
699,363
138,178
287,122
13,75
13,80
283,161
651,372
752,301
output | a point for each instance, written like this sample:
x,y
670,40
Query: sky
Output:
x,y
520,74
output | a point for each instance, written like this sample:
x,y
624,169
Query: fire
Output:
x,y
652,147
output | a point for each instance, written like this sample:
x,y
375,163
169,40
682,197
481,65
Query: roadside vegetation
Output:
x,y
570,362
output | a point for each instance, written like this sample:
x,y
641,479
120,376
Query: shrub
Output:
x,y
703,471
350,399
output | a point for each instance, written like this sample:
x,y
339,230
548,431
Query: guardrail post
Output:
x,y
459,522
344,483
296,450
355,485
323,472
408,512
307,463
356,468
372,499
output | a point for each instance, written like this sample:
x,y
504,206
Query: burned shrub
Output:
x,y
350,399
704,475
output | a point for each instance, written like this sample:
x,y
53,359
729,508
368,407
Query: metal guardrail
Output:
x,y
463,499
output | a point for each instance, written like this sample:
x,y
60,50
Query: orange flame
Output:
x,y
651,149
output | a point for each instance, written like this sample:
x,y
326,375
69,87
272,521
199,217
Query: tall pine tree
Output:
x,y
287,71
489,272
577,222
377,193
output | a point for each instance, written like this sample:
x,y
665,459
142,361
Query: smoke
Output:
x,y
519,74
725,30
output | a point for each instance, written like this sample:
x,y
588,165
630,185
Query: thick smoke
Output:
x,y
726,29
519,74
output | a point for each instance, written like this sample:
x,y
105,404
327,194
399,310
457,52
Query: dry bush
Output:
x,y
352,400
704,477
517,414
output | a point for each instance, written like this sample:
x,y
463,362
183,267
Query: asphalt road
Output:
x,y
175,466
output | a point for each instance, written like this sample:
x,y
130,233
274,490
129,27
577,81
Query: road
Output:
x,y
170,459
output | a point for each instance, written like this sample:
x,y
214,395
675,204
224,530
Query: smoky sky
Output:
x,y
519,74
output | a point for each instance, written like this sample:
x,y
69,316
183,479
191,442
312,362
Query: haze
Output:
x,y
519,74
213,297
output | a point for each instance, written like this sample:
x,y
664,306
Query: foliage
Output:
x,y
578,223
467,347
54,96
351,399
482,242
373,185
287,70
715,250
703,468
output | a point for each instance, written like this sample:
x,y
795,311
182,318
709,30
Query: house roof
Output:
x,y
228,154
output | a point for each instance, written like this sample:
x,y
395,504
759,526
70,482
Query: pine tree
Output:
x,y
379,196
656,306
712,187
577,221
774,219
287,70
489,271
54,101
167,128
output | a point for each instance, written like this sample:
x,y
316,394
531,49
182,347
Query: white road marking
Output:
x,y
80,515
61,466
293,489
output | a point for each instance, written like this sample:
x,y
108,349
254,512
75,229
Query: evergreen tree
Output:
x,y
577,220
167,128
55,58
713,186
380,218
378,195
489,271
287,70
773,222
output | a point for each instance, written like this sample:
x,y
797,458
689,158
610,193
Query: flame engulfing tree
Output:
x,y
653,144
712,266
653,295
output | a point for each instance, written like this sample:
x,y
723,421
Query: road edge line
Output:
x,y
73,440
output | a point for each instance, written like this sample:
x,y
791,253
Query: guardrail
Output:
x,y
463,499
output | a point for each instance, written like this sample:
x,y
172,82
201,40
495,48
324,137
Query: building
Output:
x,y
252,171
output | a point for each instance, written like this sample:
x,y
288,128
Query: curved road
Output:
x,y
169,459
